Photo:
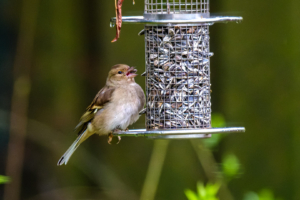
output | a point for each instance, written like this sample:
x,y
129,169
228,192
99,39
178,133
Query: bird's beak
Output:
x,y
131,72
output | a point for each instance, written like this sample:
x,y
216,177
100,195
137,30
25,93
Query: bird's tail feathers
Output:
x,y
67,155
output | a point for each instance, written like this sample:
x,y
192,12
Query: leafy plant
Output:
x,y
264,194
217,120
4,179
230,166
207,192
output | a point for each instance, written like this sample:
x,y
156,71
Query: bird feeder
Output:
x,y
177,56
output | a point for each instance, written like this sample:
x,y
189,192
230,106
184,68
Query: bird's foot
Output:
x,y
119,139
110,137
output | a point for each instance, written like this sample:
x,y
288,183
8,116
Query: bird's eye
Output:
x,y
119,72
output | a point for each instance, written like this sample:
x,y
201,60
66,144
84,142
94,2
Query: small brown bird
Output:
x,y
115,107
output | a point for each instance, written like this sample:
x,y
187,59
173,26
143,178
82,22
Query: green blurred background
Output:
x,y
54,57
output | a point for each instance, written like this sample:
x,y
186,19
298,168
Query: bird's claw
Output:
x,y
119,139
110,137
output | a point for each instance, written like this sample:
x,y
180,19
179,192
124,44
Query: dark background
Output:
x,y
56,55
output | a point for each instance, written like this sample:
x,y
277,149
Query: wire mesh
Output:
x,y
176,6
178,77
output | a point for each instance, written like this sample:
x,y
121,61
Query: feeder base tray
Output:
x,y
200,20
178,133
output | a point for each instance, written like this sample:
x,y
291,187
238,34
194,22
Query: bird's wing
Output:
x,y
103,97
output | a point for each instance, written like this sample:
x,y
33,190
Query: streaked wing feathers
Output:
x,y
103,97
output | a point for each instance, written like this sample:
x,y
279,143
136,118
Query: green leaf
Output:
x,y
217,120
4,179
251,196
231,165
213,140
207,192
266,194
191,195
201,190
212,189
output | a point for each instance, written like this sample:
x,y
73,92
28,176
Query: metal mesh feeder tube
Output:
x,y
176,7
177,59
182,9
178,77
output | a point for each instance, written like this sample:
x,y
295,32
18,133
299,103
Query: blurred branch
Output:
x,y
90,165
210,168
20,97
154,170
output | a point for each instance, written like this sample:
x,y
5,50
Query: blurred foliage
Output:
x,y
255,83
264,194
4,179
217,120
207,192
230,166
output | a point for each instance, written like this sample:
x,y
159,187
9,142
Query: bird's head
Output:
x,y
121,74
